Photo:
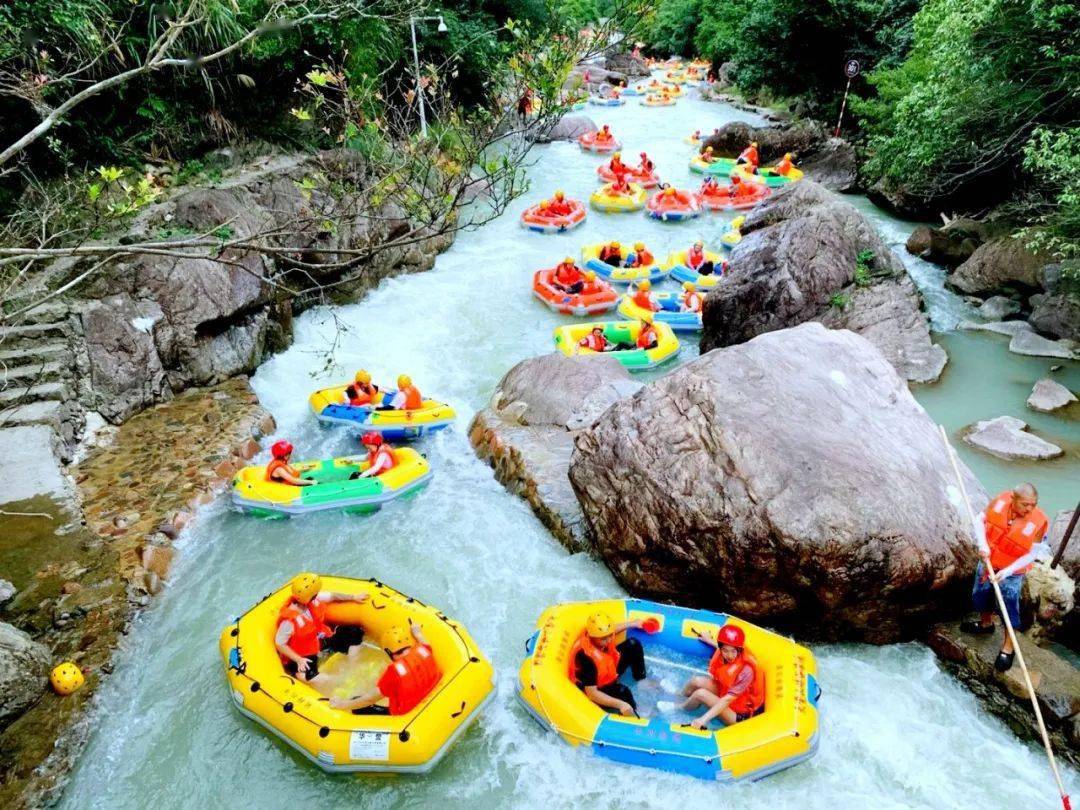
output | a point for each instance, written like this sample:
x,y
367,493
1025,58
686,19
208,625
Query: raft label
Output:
x,y
374,745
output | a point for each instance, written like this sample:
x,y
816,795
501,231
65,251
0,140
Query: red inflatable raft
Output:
x,y
596,296
541,221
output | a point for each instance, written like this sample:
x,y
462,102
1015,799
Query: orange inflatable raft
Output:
x,y
673,205
536,219
596,296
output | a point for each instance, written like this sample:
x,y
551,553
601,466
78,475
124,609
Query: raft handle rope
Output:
x,y
977,529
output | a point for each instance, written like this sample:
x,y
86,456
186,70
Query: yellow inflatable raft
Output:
x,y
633,359
590,255
681,272
603,200
329,405
339,741
784,734
733,235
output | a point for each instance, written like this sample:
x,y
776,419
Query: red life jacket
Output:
x,y
605,661
309,625
725,674
384,457
567,274
603,135
1009,543
750,155
409,678
413,400
594,342
617,166
559,208
608,252
695,258
647,337
279,464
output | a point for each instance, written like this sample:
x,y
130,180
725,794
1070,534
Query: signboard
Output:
x,y
851,68
369,745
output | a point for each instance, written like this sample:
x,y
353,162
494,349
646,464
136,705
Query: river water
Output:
x,y
896,731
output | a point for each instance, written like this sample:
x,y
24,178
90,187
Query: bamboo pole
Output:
x,y
1008,627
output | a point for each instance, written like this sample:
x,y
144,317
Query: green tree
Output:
x,y
673,27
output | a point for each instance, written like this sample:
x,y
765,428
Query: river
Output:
x,y
896,731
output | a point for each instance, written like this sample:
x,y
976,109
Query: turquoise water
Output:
x,y
896,731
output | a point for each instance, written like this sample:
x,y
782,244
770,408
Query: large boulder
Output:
x,y
951,245
792,480
1049,395
802,137
1057,314
797,262
832,165
1000,264
24,667
627,64
527,432
567,128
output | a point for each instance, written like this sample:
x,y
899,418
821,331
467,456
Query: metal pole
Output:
x,y
840,118
1065,538
419,89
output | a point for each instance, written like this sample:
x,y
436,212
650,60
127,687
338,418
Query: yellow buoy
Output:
x,y
66,678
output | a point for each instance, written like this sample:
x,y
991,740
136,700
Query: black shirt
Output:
x,y
586,670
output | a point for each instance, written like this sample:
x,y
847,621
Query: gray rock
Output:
x,y
1003,262
998,307
1048,395
1057,314
568,128
1035,345
1011,328
527,433
833,165
792,480
940,246
7,591
796,259
627,64
24,666
804,138
31,449
1006,437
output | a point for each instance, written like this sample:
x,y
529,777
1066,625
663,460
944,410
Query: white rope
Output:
x,y
1008,625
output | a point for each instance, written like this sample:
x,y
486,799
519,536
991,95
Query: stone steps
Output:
x,y
44,371
45,412
41,352
19,394
31,335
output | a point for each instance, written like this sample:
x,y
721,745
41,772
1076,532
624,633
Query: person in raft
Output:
x,y
707,156
362,390
738,188
1013,524
407,397
611,254
303,635
785,164
411,674
604,135
568,276
644,298
620,187
749,156
280,470
558,206
691,298
734,689
640,257
616,165
380,456
648,337
645,164
596,662
697,261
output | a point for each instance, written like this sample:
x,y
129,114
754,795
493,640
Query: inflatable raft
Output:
x,y
567,337
329,407
670,312
785,734
655,100
675,207
340,741
733,235
533,219
633,175
336,489
590,255
724,200
587,302
588,143
720,167
605,201
681,272
768,176
606,101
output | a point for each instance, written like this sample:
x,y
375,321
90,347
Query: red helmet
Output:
x,y
371,437
731,635
281,449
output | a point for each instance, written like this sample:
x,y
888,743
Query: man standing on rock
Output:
x,y
1013,524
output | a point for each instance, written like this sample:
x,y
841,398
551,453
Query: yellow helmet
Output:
x,y
559,194
306,586
590,275
398,637
688,286
646,318
568,260
66,678
404,381
363,376
644,284
753,144
639,245
669,191
599,625
614,244
617,155
789,155
708,148
545,204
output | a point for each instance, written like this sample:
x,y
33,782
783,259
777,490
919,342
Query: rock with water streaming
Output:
x,y
797,262
792,480
1048,396
527,432
1007,437
24,668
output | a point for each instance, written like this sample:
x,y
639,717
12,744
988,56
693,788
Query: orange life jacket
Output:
x,y
644,300
279,464
692,301
603,135
606,661
643,259
1010,543
559,208
594,342
608,252
784,166
647,337
364,393
617,166
567,274
725,674
750,155
309,625
409,678
413,400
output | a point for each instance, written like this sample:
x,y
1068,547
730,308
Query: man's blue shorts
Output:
x,y
982,595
